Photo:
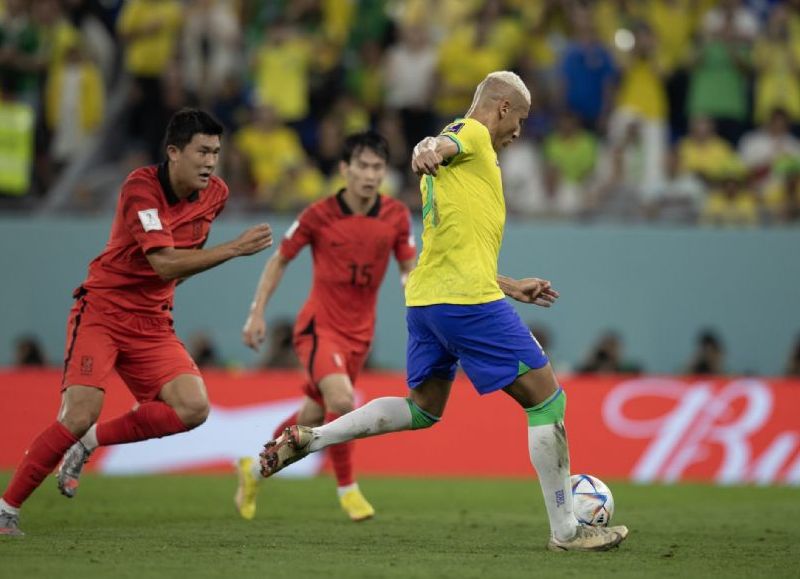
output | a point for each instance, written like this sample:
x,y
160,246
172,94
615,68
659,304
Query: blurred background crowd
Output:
x,y
670,111
606,356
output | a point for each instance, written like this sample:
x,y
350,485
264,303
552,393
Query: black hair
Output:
x,y
709,338
371,140
187,123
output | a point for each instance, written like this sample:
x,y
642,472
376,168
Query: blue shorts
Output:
x,y
490,340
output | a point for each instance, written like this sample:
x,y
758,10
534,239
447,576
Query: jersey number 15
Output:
x,y
360,275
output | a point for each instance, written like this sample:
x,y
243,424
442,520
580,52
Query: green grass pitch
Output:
x,y
186,527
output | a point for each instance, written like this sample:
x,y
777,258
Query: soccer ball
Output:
x,y
591,500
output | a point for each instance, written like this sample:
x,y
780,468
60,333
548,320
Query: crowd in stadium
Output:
x,y
678,111
606,356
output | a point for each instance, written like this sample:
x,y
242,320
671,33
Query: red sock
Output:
x,y
284,425
341,457
39,461
150,420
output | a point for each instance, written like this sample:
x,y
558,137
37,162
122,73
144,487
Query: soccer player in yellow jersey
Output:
x,y
457,313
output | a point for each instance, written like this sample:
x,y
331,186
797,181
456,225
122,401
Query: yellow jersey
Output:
x,y
463,216
149,55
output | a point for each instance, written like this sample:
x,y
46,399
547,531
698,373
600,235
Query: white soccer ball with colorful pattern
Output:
x,y
591,500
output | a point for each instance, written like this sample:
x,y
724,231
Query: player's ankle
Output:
x,y
343,490
4,506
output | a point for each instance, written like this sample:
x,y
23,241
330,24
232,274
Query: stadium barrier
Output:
x,y
645,429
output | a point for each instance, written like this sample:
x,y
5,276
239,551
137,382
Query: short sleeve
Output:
x,y
298,235
405,246
467,137
144,213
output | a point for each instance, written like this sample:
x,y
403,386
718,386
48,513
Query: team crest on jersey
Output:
x,y
87,365
197,230
150,220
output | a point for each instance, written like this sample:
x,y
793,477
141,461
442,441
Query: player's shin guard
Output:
x,y
39,461
377,416
549,452
341,457
150,420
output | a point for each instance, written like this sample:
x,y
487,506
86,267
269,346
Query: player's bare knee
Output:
x,y
78,421
193,413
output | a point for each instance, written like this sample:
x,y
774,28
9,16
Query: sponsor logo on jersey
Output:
x,y
87,365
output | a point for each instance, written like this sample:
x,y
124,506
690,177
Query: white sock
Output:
x,y
549,452
89,440
378,416
341,491
4,506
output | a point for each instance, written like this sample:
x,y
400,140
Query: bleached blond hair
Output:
x,y
493,86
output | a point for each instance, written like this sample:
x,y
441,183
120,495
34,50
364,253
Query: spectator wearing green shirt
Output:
x,y
21,53
718,83
570,155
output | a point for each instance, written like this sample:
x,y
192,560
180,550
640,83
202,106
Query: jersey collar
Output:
x,y
166,186
373,211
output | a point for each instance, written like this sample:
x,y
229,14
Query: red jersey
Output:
x,y
350,254
149,215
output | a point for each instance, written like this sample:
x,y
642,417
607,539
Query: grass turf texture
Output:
x,y
186,527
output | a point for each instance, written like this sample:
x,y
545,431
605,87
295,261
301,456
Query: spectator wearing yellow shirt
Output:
x,y
731,203
300,184
263,150
75,99
616,19
703,152
776,67
642,98
281,71
782,198
673,24
149,30
467,55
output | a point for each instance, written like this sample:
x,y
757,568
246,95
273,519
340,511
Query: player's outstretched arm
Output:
x,y
255,328
170,263
530,290
430,152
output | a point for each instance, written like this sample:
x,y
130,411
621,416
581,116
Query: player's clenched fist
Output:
x,y
254,332
426,159
255,239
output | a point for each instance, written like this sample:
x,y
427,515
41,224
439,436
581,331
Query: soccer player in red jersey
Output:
x,y
121,318
352,235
